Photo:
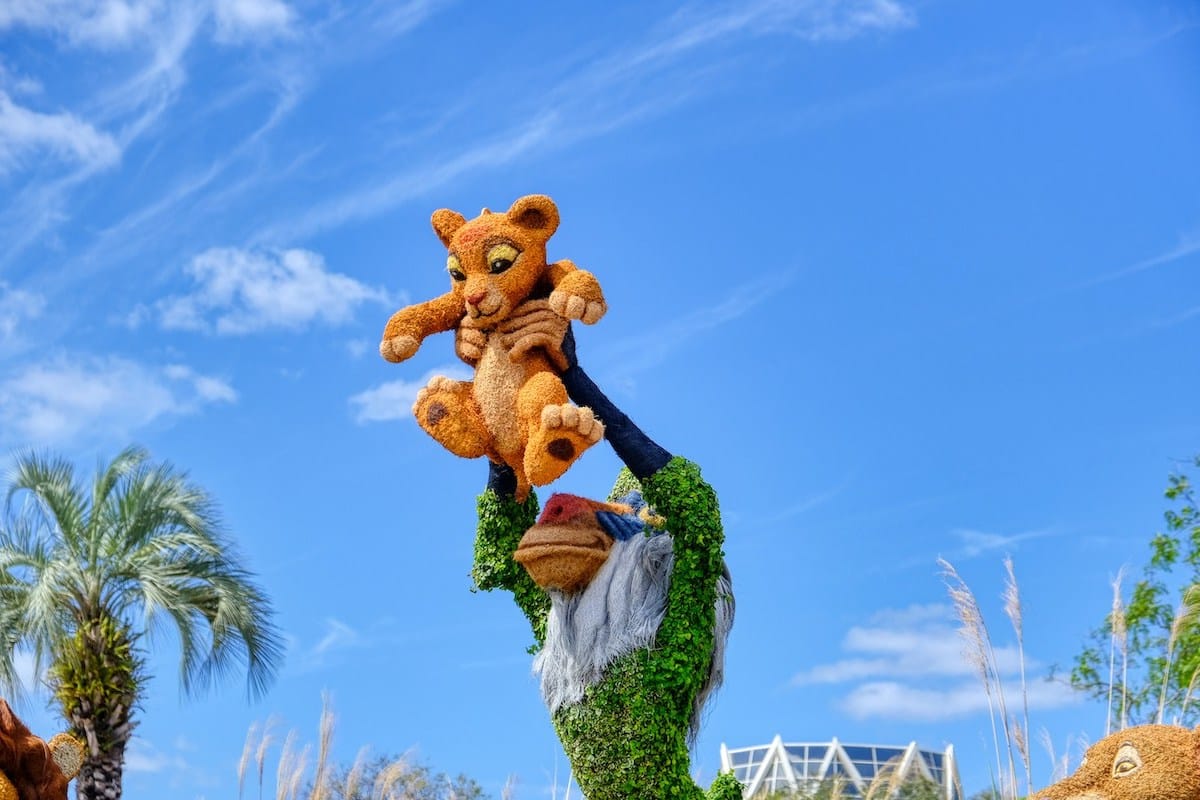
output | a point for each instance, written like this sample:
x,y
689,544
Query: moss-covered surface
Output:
x,y
502,523
627,738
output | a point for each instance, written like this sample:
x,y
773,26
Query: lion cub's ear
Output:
x,y
67,753
535,212
446,223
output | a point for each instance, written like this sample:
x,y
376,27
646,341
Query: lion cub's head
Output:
x,y
1148,762
496,260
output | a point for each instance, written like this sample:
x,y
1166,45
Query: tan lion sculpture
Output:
x,y
32,769
1147,762
516,410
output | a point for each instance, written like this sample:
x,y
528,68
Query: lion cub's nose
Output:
x,y
477,298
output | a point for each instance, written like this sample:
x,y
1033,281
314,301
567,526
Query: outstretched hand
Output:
x,y
531,326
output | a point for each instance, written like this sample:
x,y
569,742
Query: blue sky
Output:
x,y
908,279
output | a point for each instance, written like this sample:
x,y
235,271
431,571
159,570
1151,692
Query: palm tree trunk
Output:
x,y
96,683
100,776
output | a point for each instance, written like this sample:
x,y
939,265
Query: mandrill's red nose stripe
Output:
x,y
562,507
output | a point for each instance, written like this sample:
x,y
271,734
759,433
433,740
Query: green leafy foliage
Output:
x,y
628,736
502,523
86,570
1153,652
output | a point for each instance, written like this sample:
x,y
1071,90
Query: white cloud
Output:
x,y
910,663
62,400
244,291
635,82
19,83
893,700
239,20
1188,245
394,399
102,23
25,133
655,344
16,307
338,636
976,542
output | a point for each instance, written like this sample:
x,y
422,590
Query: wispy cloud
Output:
x,y
1178,319
143,756
1188,245
908,664
394,400
653,346
631,84
803,505
27,134
377,198
891,700
67,399
976,543
338,637
17,306
240,20
105,24
246,291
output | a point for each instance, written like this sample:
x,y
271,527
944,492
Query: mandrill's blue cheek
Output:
x,y
619,526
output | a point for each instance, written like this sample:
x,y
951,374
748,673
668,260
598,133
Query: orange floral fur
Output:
x,y
31,769
1146,762
516,410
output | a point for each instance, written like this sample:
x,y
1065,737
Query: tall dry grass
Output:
x,y
981,654
1010,734
295,781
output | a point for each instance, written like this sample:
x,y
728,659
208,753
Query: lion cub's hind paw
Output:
x,y
564,433
442,409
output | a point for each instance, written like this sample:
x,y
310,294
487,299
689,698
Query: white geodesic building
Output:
x,y
804,765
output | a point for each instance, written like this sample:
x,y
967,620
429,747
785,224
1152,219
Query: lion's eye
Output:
x,y
501,257
455,268
1127,761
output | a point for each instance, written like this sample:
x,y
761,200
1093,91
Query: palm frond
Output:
x,y
51,493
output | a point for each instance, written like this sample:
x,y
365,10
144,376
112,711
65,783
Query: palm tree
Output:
x,y
88,573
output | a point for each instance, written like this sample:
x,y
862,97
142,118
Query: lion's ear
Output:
x,y
67,753
446,223
535,212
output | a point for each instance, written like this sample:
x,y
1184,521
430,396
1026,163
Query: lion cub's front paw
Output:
x,y
563,434
398,348
573,306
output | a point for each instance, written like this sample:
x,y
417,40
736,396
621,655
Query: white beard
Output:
x,y
617,613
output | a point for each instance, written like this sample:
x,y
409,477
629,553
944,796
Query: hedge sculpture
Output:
x,y
630,605
516,410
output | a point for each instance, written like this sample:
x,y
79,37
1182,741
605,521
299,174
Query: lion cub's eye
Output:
x,y
501,257
1127,761
455,269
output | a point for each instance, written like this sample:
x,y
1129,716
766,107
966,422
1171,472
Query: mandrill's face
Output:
x,y
570,542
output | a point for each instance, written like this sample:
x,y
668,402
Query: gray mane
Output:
x,y
618,612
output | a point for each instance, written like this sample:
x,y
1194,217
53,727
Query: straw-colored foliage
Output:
x,y
367,778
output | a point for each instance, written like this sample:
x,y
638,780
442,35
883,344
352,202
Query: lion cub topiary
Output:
x,y
1146,762
516,410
